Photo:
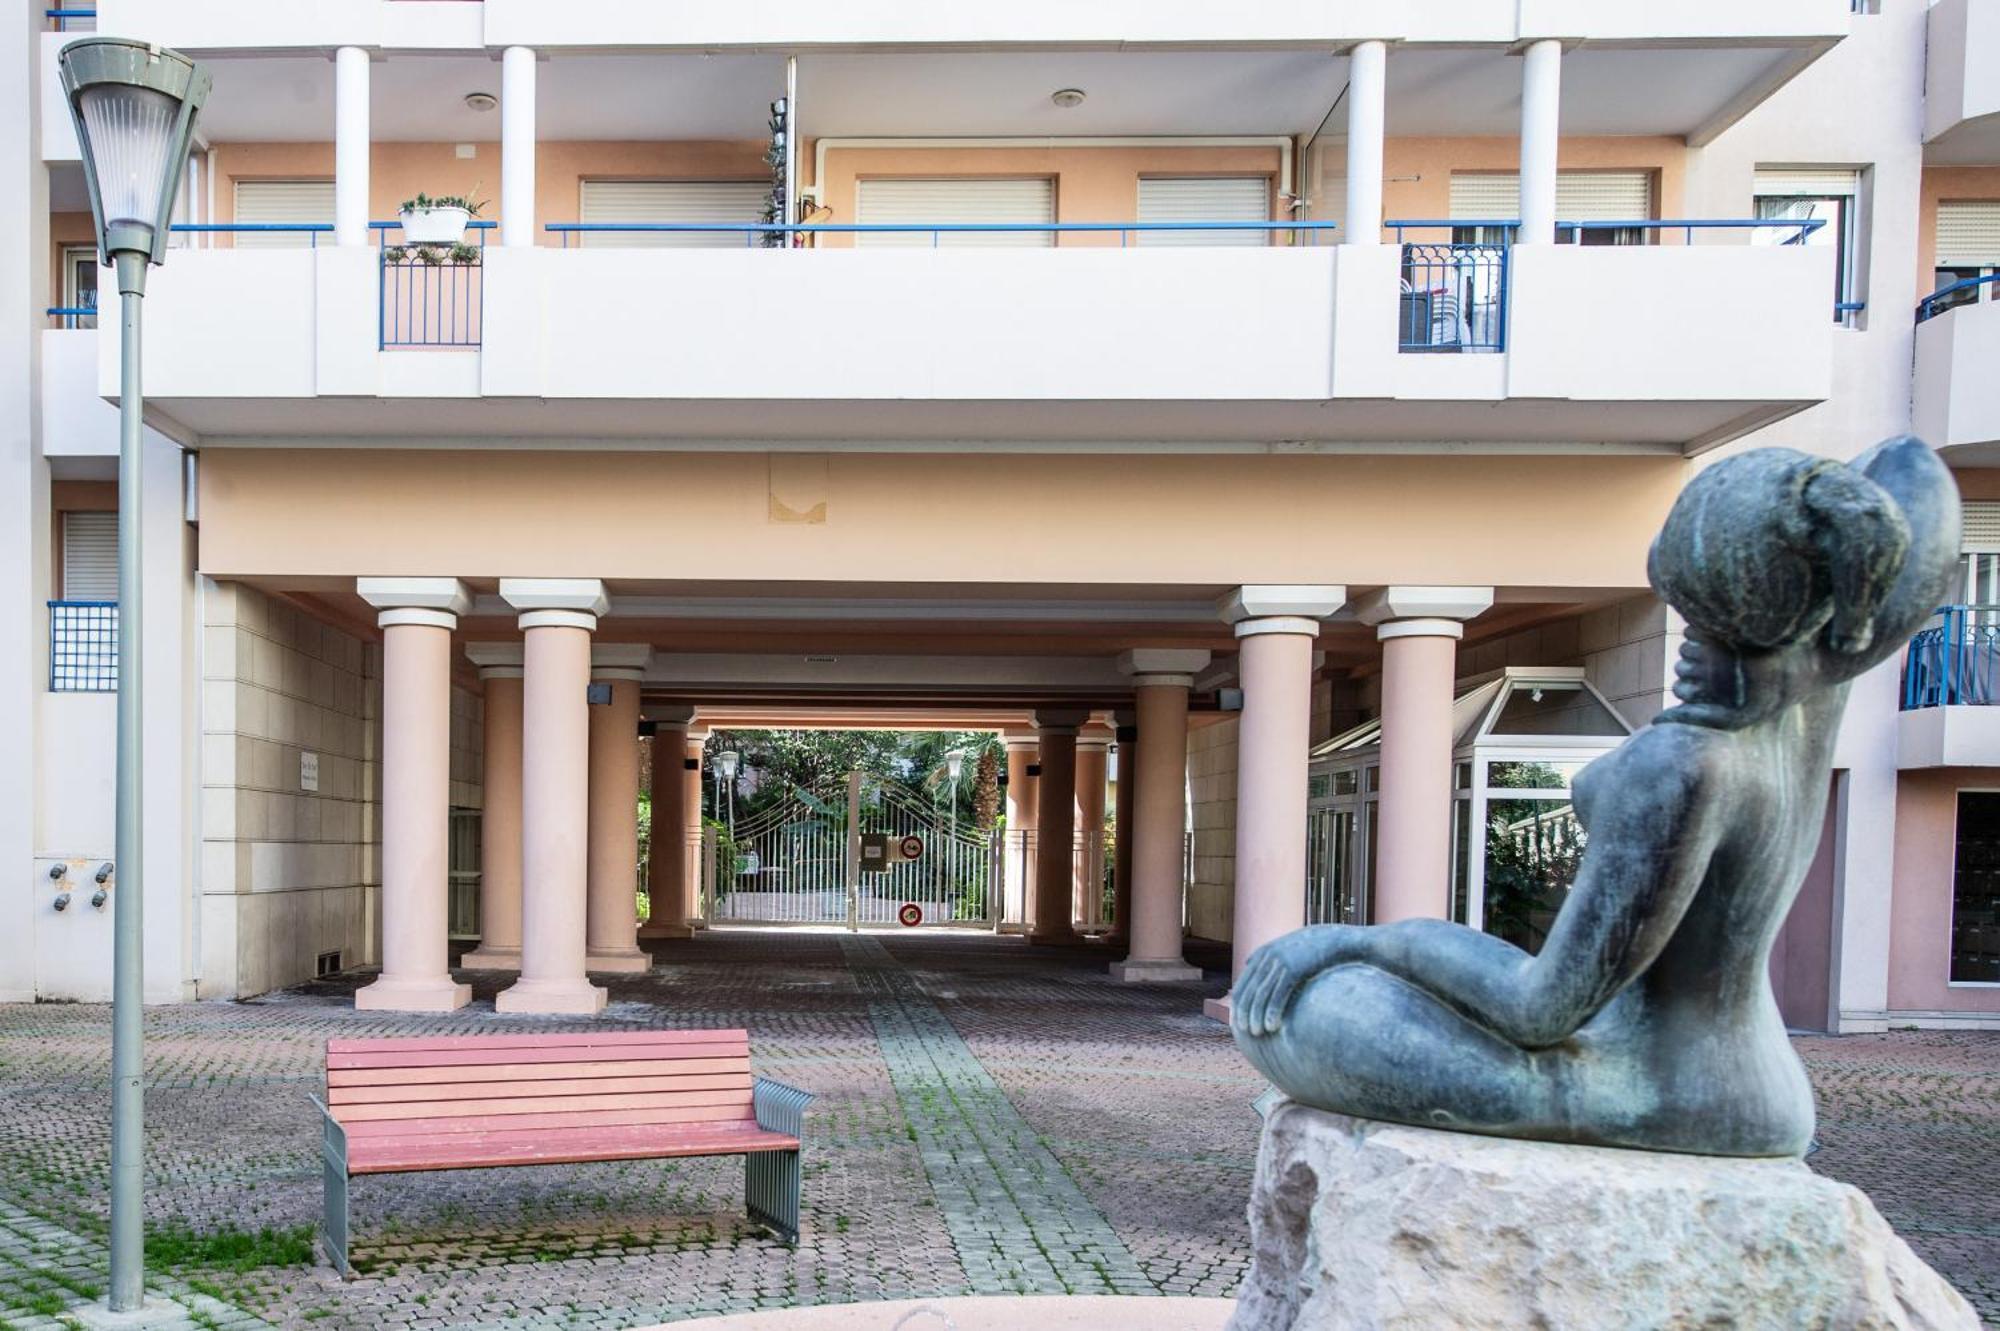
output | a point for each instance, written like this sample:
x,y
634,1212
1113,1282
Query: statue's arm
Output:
x,y
1649,849
1922,488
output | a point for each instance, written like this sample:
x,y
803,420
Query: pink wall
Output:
x,y
1802,958
1920,914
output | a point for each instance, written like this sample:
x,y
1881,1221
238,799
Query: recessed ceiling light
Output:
x,y
481,101
1067,97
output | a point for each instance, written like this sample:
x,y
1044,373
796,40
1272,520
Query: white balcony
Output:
x,y
1956,398
1962,84
1668,348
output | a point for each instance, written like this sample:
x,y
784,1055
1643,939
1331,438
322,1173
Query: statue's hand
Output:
x,y
1271,977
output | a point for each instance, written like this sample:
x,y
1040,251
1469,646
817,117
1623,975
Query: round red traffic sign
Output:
x,y
912,847
911,915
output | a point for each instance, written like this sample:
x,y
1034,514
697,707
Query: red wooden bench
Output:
x,y
411,1105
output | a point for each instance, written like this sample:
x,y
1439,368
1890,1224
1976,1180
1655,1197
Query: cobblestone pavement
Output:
x,y
991,1118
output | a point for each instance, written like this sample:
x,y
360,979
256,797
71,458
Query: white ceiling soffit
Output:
x,y
1607,90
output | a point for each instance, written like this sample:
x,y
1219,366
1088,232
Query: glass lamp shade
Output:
x,y
954,763
726,764
131,134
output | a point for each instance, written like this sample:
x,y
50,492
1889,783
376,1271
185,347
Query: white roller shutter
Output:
x,y
281,201
1981,532
1581,196
1813,181
1204,199
90,556
673,201
915,201
1968,234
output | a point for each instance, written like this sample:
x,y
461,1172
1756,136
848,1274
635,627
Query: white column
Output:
x,y
1275,630
1419,628
612,919
499,809
557,617
1161,679
1017,853
1541,130
417,618
1367,101
350,146
517,146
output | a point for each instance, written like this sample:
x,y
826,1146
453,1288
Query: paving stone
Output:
x,y
992,1117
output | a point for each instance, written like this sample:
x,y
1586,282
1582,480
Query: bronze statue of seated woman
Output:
x,y
1647,1019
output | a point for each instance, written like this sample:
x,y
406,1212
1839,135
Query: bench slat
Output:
x,y
429,1110
498,1090
479,1072
589,1039
485,1057
549,1124
490,1150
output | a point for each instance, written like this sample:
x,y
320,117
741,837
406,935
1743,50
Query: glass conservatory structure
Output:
x,y
1520,736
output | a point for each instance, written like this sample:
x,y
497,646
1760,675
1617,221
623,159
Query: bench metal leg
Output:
x,y
771,1191
333,1202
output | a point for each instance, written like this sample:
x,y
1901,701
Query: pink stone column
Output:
x,y
557,618
500,810
1122,819
1419,628
667,870
1092,746
1158,830
1275,631
1055,831
417,618
611,924
691,835
1018,854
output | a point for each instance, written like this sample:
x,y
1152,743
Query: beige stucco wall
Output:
x,y
1526,521
1920,918
287,873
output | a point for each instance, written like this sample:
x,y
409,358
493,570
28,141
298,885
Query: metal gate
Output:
x,y
801,862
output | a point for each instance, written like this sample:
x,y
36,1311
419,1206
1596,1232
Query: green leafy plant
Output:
x,y
424,202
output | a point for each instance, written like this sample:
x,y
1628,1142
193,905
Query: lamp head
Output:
x,y
954,763
134,108
725,763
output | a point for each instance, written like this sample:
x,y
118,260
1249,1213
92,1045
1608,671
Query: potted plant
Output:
x,y
440,221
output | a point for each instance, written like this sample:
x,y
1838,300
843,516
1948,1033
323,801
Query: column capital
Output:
x,y
496,660
1177,661
433,602
671,716
1095,736
620,660
556,602
1287,601
1442,607
1019,743
1060,720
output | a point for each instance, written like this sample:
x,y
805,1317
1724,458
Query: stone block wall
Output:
x,y
1212,814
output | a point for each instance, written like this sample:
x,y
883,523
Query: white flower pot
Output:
x,y
434,226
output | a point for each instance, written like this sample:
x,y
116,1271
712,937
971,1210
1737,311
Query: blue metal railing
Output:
x,y
311,230
753,231
1687,226
1965,292
83,646
1955,661
1454,298
60,19
72,316
428,297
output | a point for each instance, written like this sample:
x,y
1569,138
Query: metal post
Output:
x,y
792,216
853,851
128,1094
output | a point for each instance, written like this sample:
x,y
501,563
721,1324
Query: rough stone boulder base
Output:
x,y
1357,1225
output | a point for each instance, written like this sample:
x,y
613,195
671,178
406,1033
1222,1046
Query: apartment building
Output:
x,y
1284,393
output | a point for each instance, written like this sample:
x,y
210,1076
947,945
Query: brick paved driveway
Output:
x,y
992,1119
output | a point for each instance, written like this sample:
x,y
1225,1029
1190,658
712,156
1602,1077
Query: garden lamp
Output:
x,y
134,107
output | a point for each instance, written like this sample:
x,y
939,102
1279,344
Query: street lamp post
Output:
x,y
954,766
134,107
725,770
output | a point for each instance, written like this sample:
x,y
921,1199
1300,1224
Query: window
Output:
x,y
1581,196
1975,897
1823,194
274,201
1967,239
916,202
90,556
79,284
729,201
1204,199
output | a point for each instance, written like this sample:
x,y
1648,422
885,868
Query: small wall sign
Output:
x,y
308,771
